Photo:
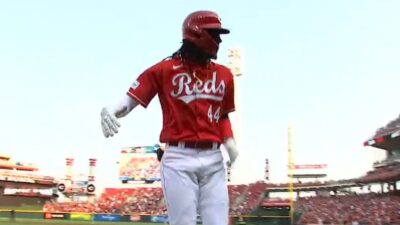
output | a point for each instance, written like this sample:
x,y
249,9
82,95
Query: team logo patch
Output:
x,y
135,84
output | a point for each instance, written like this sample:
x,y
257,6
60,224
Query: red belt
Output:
x,y
194,144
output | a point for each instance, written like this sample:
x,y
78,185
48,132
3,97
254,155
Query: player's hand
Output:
x,y
109,123
231,147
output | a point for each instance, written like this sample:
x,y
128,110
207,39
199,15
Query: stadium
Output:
x,y
29,198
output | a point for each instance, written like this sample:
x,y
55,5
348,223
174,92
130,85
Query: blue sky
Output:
x,y
328,67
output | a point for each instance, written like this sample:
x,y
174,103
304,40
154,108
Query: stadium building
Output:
x,y
22,186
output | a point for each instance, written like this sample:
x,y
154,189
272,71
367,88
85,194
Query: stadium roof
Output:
x,y
388,176
386,137
4,156
387,141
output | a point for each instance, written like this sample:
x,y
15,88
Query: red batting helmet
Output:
x,y
194,29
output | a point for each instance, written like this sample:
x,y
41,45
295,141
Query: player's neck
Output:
x,y
190,54
195,61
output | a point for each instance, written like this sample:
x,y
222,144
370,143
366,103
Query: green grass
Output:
x,y
4,221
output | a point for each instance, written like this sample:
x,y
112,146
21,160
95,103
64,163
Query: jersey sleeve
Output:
x,y
145,87
225,128
229,98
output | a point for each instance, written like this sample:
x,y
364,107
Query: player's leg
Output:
x,y
213,198
180,185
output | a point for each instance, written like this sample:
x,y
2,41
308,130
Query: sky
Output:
x,y
329,68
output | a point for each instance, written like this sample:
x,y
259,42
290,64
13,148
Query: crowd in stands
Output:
x,y
381,174
252,197
141,167
141,200
371,209
236,197
243,199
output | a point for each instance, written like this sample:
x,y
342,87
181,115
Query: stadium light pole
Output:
x,y
235,64
290,172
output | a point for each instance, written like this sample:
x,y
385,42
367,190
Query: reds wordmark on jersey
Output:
x,y
193,98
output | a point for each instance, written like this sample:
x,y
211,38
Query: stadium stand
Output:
x,y
327,201
370,209
20,184
341,208
141,200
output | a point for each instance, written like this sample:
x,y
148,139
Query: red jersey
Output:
x,y
193,98
225,128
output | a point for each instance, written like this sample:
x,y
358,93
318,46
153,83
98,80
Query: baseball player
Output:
x,y
196,95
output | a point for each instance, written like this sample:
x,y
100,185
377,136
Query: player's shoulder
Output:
x,y
165,64
160,66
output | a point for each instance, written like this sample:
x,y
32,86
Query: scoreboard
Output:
x,y
139,164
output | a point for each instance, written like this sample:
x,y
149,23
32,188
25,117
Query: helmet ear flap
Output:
x,y
194,30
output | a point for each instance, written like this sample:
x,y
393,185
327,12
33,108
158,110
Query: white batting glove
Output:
x,y
232,150
109,123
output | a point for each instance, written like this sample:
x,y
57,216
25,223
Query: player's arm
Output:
x,y
141,92
225,128
110,114
228,138
225,124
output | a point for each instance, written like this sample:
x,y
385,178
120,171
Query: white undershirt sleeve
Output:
x,y
124,107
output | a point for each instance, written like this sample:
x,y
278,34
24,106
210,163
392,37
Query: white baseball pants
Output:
x,y
194,182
